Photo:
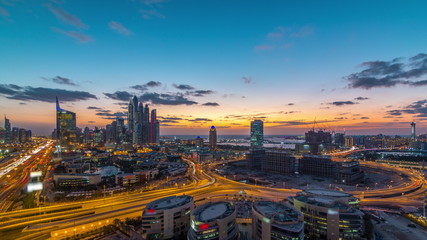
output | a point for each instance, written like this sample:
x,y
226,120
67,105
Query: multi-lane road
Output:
x,y
69,219
14,174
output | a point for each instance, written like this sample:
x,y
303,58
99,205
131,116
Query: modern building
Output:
x,y
317,165
214,220
413,134
65,126
257,133
134,121
271,220
331,215
349,173
154,128
349,141
255,157
15,135
8,131
76,180
315,139
167,218
212,138
146,125
277,161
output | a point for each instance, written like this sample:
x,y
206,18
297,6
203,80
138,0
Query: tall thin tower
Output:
x,y
413,135
212,138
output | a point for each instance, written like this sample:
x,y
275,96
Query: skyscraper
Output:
x,y
257,134
8,131
212,138
413,135
65,125
154,127
146,125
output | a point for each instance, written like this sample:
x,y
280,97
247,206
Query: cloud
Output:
x,y
183,87
303,32
144,87
361,98
213,104
264,47
199,93
91,122
299,122
364,118
419,108
149,14
340,118
248,80
28,93
61,80
291,104
107,114
342,103
93,108
390,73
200,120
278,33
66,17
118,27
168,121
76,35
119,95
167,99
170,118
153,2
4,12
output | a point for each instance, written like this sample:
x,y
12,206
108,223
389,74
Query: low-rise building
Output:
x,y
329,214
349,173
214,220
271,220
126,179
167,218
317,165
278,162
76,180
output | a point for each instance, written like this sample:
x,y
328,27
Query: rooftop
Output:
x,y
169,202
328,193
279,211
213,210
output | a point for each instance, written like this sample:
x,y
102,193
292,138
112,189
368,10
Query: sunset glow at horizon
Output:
x,y
358,67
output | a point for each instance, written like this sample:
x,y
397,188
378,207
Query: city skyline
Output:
x,y
287,63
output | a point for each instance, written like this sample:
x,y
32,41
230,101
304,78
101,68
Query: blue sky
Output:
x,y
255,57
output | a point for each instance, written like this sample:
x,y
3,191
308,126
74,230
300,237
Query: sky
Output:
x,y
353,66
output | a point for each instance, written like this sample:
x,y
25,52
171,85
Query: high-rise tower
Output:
x,y
154,127
8,131
413,135
257,134
146,125
65,125
212,138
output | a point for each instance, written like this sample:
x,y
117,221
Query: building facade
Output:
x,y
212,138
271,220
167,218
257,134
214,220
65,126
331,215
278,162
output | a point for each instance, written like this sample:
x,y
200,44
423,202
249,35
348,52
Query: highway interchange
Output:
x,y
61,220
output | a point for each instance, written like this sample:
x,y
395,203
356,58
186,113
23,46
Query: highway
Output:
x,y
14,174
68,219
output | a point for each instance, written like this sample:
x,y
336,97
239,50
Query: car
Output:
x,y
412,225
